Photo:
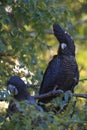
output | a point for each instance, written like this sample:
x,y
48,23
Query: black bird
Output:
x,y
62,71
18,89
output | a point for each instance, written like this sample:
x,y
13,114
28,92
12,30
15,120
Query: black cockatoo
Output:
x,y
62,71
18,89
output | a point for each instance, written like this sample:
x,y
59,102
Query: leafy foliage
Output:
x,y
26,45
32,117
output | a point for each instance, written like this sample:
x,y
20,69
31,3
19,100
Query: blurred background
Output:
x,y
27,42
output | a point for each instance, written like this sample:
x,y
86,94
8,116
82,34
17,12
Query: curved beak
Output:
x,y
12,89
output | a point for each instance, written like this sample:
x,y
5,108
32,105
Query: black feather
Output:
x,y
21,87
62,70
23,94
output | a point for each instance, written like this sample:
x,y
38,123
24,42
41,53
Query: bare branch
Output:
x,y
80,22
80,95
53,93
82,80
49,94
58,93
80,38
50,32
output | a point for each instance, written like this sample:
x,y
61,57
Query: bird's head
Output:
x,y
66,46
17,88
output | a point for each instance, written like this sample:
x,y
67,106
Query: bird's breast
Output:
x,y
69,66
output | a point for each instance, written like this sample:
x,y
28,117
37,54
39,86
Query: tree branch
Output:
x,y
52,93
80,38
49,94
80,95
50,32
58,93
80,22
82,80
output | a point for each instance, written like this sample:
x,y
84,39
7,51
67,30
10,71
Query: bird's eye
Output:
x,y
12,89
63,45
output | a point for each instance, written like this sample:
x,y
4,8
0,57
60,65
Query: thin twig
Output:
x,y
80,95
82,80
50,32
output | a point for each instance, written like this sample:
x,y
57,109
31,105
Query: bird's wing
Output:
x,y
51,75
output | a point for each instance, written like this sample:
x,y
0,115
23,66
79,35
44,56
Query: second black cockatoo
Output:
x,y
18,88
62,71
